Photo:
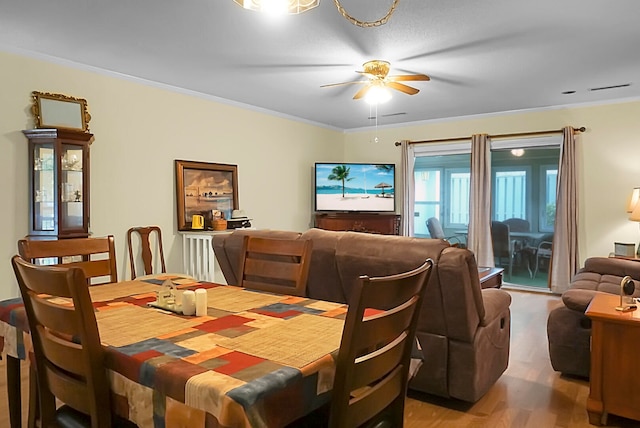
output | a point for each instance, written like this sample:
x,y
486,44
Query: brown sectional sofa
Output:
x,y
464,331
568,328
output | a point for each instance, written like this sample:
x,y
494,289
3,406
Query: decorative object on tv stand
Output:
x,y
295,7
239,220
634,209
203,187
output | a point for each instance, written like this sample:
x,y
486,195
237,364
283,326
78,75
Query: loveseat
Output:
x,y
568,328
463,330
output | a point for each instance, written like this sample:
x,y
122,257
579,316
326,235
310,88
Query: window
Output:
x,y
457,189
524,180
427,199
510,193
547,215
442,185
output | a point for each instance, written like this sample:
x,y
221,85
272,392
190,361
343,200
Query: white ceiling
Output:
x,y
483,56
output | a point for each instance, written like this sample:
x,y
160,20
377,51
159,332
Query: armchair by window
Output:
x,y
543,251
436,232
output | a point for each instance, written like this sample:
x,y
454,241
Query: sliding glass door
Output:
x,y
524,176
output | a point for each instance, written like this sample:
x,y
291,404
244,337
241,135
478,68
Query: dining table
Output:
x,y
255,359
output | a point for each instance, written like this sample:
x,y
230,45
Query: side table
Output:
x,y
615,347
490,277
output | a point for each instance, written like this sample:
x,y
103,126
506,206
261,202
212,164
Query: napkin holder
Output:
x,y
166,298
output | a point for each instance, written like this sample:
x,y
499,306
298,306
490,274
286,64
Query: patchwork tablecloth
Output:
x,y
256,359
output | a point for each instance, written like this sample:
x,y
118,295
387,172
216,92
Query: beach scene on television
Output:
x,y
355,187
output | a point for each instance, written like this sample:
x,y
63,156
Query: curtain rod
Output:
x,y
514,135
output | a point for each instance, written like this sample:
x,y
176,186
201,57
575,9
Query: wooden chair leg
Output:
x,y
34,405
13,392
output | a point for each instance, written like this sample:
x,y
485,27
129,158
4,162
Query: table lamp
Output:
x,y
634,209
633,200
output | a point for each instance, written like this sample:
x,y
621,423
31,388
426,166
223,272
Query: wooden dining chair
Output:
x,y
146,235
69,358
275,265
95,256
372,368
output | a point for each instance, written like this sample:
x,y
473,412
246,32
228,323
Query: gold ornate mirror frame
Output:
x,y
60,111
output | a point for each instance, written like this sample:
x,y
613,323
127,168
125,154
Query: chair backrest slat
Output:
x,y
95,256
376,349
275,265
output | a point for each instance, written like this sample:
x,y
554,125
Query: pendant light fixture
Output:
x,y
294,7
291,7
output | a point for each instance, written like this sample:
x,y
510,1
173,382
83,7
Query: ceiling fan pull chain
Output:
x,y
366,24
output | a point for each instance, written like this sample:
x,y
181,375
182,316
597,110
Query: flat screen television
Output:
x,y
355,187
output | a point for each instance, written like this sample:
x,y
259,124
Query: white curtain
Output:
x,y
408,187
479,240
564,258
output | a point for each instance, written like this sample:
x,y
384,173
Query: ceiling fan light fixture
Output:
x,y
291,7
377,94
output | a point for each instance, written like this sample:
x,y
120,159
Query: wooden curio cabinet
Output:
x,y
58,183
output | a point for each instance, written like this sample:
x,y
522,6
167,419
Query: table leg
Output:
x,y
13,392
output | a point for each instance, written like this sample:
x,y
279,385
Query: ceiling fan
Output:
x,y
377,72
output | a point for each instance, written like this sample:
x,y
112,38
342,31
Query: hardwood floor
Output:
x,y
528,395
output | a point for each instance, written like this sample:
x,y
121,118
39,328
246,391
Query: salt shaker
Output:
x,y
201,302
188,302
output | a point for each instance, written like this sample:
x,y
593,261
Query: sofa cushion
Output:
x,y
360,254
577,299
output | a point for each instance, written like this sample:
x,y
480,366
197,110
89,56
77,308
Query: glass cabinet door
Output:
x,y
44,189
71,187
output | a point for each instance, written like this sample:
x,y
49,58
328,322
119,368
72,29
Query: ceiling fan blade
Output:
x,y
342,83
403,88
362,92
406,77
369,75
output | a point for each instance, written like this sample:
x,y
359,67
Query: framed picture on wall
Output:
x,y
203,187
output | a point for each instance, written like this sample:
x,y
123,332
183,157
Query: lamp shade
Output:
x,y
633,200
635,214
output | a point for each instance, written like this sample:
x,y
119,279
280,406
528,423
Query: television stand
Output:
x,y
384,224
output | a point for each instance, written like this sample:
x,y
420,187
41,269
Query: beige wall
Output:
x,y
609,160
139,131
